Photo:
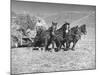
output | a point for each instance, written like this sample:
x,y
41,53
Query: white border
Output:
x,y
84,2
5,36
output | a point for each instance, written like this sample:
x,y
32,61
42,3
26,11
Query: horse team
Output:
x,y
63,36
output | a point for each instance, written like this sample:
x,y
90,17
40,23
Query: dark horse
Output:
x,y
59,36
74,35
44,37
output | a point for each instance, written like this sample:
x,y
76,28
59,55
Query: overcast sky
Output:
x,y
47,8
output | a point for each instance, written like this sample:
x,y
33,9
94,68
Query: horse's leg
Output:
x,y
63,44
74,43
58,43
52,44
67,46
47,43
21,41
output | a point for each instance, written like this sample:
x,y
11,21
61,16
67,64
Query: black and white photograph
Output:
x,y
52,37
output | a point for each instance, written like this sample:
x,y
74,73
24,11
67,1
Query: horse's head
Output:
x,y
83,29
74,29
54,25
66,26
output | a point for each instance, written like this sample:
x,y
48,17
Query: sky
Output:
x,y
47,8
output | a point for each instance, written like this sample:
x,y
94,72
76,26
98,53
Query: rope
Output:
x,y
82,18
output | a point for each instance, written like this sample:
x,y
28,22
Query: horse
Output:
x,y
43,38
59,35
74,35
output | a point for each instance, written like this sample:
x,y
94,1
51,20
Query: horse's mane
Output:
x,y
82,28
49,29
74,27
62,27
84,25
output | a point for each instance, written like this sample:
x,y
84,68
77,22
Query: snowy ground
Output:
x,y
26,60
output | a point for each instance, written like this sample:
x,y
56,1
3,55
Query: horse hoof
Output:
x,y
56,50
66,49
50,51
35,49
73,49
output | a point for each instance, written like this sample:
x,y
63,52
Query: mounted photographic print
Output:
x,y
52,37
